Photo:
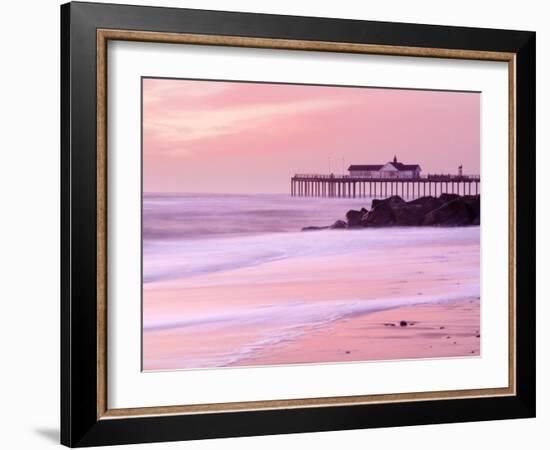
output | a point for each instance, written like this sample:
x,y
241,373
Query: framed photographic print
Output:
x,y
278,224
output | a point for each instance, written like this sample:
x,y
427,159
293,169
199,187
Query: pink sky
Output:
x,y
230,137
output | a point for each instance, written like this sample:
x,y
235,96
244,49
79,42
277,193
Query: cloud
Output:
x,y
175,131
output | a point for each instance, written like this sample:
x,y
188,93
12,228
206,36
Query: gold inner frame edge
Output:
x,y
103,36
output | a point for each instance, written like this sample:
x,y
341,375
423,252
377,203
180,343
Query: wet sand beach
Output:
x,y
343,302
444,329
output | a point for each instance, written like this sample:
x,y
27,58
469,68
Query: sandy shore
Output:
x,y
322,309
443,329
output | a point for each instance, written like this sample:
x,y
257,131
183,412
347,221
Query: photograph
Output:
x,y
279,222
307,224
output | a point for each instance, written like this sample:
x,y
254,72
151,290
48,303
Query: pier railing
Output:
x,y
351,186
450,177
428,177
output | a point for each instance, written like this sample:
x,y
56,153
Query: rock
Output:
x,y
445,198
453,213
379,216
425,200
394,200
445,210
428,203
408,215
395,211
314,228
339,224
473,201
412,213
354,217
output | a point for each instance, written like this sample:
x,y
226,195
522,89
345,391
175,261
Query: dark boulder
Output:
x,y
427,203
445,198
408,215
453,213
364,218
473,202
421,200
414,211
445,210
354,217
381,213
394,200
339,224
314,228
379,216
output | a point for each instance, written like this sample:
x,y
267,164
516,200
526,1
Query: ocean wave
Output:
x,y
192,216
179,259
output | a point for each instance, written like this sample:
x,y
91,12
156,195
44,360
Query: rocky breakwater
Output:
x,y
446,210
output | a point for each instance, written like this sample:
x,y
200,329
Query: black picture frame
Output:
x,y
80,425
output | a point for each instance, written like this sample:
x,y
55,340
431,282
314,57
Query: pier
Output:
x,y
349,186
